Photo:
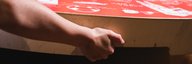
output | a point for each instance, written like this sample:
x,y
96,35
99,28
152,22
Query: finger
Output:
x,y
115,36
111,50
108,50
118,37
112,34
90,57
115,44
103,53
105,45
116,40
99,55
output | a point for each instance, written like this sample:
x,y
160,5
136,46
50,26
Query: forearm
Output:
x,y
43,25
30,19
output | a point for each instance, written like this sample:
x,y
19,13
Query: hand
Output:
x,y
44,24
101,45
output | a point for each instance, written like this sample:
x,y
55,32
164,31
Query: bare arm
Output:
x,y
30,19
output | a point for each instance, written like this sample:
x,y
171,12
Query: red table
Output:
x,y
155,9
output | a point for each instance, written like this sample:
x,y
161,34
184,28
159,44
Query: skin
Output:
x,y
30,19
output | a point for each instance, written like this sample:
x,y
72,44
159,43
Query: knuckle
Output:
x,y
97,28
110,31
118,35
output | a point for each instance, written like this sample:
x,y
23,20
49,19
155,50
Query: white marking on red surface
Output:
x,y
166,10
84,9
54,2
130,11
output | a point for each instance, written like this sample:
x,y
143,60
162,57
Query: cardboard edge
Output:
x,y
128,17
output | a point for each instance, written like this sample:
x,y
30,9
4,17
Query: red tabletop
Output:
x,y
156,9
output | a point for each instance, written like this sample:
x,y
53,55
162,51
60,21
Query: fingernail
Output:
x,y
123,42
111,49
